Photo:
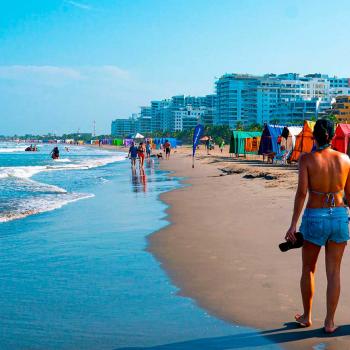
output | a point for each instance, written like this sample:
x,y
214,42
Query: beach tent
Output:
x,y
252,143
304,141
138,136
269,136
118,142
341,138
107,141
159,141
127,142
289,135
243,142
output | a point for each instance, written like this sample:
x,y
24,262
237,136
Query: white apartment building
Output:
x,y
261,99
187,118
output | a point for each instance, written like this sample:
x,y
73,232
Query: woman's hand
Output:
x,y
290,235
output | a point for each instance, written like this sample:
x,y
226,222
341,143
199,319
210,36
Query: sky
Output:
x,y
65,63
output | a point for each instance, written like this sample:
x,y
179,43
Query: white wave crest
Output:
x,y
29,171
21,171
62,160
12,149
35,206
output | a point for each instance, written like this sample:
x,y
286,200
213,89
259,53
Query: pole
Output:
x,y
192,162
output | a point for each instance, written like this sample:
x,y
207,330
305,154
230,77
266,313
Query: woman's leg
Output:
x,y
307,282
334,255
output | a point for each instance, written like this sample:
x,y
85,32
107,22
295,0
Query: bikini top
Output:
x,y
330,196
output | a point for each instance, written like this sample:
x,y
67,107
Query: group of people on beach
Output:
x,y
144,150
324,175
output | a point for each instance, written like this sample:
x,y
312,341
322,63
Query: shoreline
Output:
x,y
233,275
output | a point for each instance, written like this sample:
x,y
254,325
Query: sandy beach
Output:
x,y
221,248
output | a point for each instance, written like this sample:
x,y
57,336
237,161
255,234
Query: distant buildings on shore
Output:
x,y
242,100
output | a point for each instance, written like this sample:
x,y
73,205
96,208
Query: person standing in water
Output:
x,y
324,174
55,153
133,154
141,154
167,148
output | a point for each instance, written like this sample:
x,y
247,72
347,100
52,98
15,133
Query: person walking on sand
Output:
x,y
167,148
148,149
133,151
207,145
222,145
141,154
323,173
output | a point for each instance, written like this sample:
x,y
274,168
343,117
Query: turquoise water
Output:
x,y
74,273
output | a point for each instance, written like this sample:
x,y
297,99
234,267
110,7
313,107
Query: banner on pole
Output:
x,y
198,132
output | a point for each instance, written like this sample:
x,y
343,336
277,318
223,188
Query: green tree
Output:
x,y
332,118
239,126
254,127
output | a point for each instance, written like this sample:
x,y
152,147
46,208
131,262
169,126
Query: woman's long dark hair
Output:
x,y
323,131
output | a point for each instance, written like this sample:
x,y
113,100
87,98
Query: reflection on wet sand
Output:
x,y
139,177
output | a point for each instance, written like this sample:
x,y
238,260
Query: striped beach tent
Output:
x,y
304,142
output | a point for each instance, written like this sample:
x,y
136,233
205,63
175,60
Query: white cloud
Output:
x,y
17,72
109,71
79,5
58,76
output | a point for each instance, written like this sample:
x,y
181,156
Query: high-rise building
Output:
x,y
144,121
341,109
158,115
235,99
190,116
286,97
123,127
244,99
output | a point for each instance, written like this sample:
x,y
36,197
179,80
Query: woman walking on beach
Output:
x,y
141,154
325,175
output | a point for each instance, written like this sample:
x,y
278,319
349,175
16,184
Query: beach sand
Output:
x,y
222,248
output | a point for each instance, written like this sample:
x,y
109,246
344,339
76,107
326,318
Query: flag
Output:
x,y
198,132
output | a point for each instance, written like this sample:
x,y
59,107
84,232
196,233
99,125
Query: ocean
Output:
x,y
74,270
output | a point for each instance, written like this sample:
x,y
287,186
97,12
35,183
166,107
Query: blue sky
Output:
x,y
65,63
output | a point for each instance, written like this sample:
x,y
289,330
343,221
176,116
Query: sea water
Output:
x,y
74,272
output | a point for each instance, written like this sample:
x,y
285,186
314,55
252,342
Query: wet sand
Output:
x,y
222,248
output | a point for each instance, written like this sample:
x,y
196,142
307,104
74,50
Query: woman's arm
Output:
x,y
347,188
299,198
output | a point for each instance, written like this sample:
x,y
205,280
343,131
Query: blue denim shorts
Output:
x,y
325,224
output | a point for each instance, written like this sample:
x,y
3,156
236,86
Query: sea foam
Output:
x,y
29,171
32,206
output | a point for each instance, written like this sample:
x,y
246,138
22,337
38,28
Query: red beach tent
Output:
x,y
341,138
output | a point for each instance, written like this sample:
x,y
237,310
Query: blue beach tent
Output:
x,y
160,141
269,136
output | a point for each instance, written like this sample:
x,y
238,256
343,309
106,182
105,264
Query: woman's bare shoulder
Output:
x,y
341,156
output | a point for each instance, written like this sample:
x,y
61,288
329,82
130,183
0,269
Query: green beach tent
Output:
x,y
239,140
118,142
